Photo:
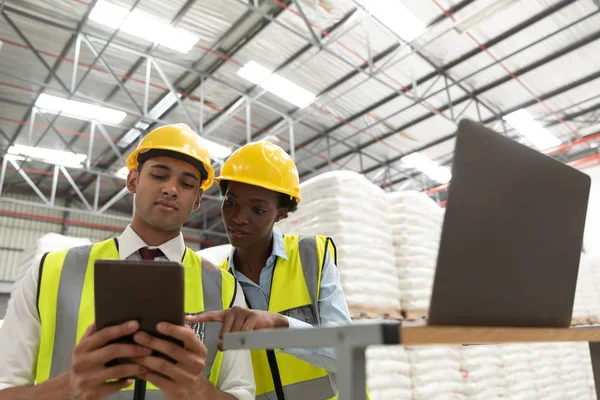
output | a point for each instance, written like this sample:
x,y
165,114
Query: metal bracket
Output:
x,y
350,343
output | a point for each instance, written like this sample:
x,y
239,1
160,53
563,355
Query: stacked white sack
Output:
x,y
48,242
587,301
586,366
517,372
416,222
215,254
573,371
435,373
388,373
546,368
481,367
592,260
353,211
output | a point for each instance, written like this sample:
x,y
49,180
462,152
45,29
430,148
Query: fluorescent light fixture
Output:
x,y
532,130
480,15
57,157
272,139
163,105
133,134
157,111
76,109
396,17
275,84
122,173
144,26
428,167
215,149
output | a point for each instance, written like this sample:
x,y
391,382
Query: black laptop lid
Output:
x,y
512,235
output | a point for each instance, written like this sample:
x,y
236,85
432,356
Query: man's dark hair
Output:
x,y
285,200
143,157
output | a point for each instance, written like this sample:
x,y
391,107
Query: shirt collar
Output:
x,y
130,242
278,244
278,249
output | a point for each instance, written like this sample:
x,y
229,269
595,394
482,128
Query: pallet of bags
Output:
x,y
435,373
388,373
517,372
45,243
588,385
573,370
352,211
481,367
215,254
592,260
546,367
416,222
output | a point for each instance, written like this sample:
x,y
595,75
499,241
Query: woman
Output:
x,y
289,281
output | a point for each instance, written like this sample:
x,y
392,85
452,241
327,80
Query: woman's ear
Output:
x,y
281,214
132,179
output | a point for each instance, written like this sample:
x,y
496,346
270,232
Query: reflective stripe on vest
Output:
x,y
66,305
295,293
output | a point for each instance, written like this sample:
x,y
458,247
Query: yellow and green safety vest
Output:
x,y
295,293
66,306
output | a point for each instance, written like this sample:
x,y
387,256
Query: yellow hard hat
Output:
x,y
183,141
263,164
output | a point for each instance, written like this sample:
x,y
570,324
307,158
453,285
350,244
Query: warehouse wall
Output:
x,y
21,226
592,227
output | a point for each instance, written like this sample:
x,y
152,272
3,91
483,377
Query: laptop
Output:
x,y
512,235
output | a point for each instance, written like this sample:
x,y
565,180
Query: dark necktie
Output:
x,y
150,254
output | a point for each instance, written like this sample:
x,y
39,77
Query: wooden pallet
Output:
x,y
360,313
414,315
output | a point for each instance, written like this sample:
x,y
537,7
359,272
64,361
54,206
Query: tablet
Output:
x,y
146,291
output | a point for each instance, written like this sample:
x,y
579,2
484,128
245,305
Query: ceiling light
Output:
x,y
275,84
163,105
532,130
396,17
143,25
428,167
272,139
133,134
480,15
216,150
57,157
157,111
79,110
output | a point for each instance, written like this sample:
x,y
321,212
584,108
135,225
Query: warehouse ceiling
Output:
x,y
356,85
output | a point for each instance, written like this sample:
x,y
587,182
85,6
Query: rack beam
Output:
x,y
351,341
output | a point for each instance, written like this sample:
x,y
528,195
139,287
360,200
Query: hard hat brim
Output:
x,y
206,172
265,185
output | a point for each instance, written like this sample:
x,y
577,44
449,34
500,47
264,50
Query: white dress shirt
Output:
x,y
20,333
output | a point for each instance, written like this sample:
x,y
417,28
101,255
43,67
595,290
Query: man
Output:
x,y
289,281
49,347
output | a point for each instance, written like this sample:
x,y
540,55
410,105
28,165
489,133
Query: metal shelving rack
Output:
x,y
351,342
